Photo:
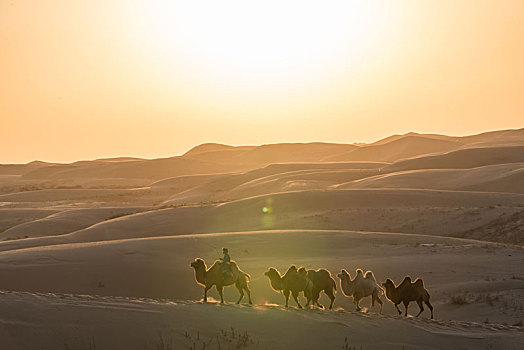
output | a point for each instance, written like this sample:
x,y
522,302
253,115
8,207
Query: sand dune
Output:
x,y
275,178
10,217
498,137
65,222
159,267
53,195
212,147
20,169
115,231
186,181
492,138
492,178
404,147
272,153
124,323
507,228
409,134
216,158
154,169
392,210
462,159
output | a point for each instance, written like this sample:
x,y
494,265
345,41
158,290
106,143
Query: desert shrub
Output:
x,y
348,346
459,300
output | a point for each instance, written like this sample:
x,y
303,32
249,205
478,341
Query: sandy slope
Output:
x,y
251,184
20,169
86,322
223,187
65,222
393,210
185,182
487,275
405,147
159,267
303,210
272,153
462,159
10,217
154,169
497,137
492,178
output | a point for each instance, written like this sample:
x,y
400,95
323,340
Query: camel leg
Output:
x,y
316,296
241,291
221,292
308,300
295,296
381,303
356,301
421,307
430,307
206,288
248,291
406,304
375,297
286,294
332,297
399,312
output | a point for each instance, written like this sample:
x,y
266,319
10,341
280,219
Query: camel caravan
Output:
x,y
311,283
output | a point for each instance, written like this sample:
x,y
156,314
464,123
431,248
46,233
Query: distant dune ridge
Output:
x,y
446,209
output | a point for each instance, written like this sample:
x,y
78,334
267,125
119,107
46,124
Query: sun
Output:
x,y
263,42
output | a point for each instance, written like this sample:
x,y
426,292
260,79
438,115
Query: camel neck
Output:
x,y
276,282
391,293
200,275
345,285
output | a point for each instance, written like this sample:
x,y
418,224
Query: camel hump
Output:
x,y
232,265
418,282
369,275
405,282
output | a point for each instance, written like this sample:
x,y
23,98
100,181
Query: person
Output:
x,y
226,260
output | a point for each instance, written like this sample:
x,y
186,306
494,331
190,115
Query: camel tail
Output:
x,y
247,275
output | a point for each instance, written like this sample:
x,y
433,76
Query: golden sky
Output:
x,y
101,78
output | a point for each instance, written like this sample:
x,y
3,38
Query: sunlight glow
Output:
x,y
265,41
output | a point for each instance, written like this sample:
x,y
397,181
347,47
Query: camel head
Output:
x,y
274,278
344,275
198,263
271,272
388,284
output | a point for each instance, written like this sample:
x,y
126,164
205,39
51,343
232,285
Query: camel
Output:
x,y
294,281
322,281
360,287
407,292
215,277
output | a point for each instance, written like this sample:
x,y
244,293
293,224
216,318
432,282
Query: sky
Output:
x,y
100,78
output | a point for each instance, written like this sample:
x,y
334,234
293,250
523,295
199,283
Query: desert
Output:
x,y
273,175
86,264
